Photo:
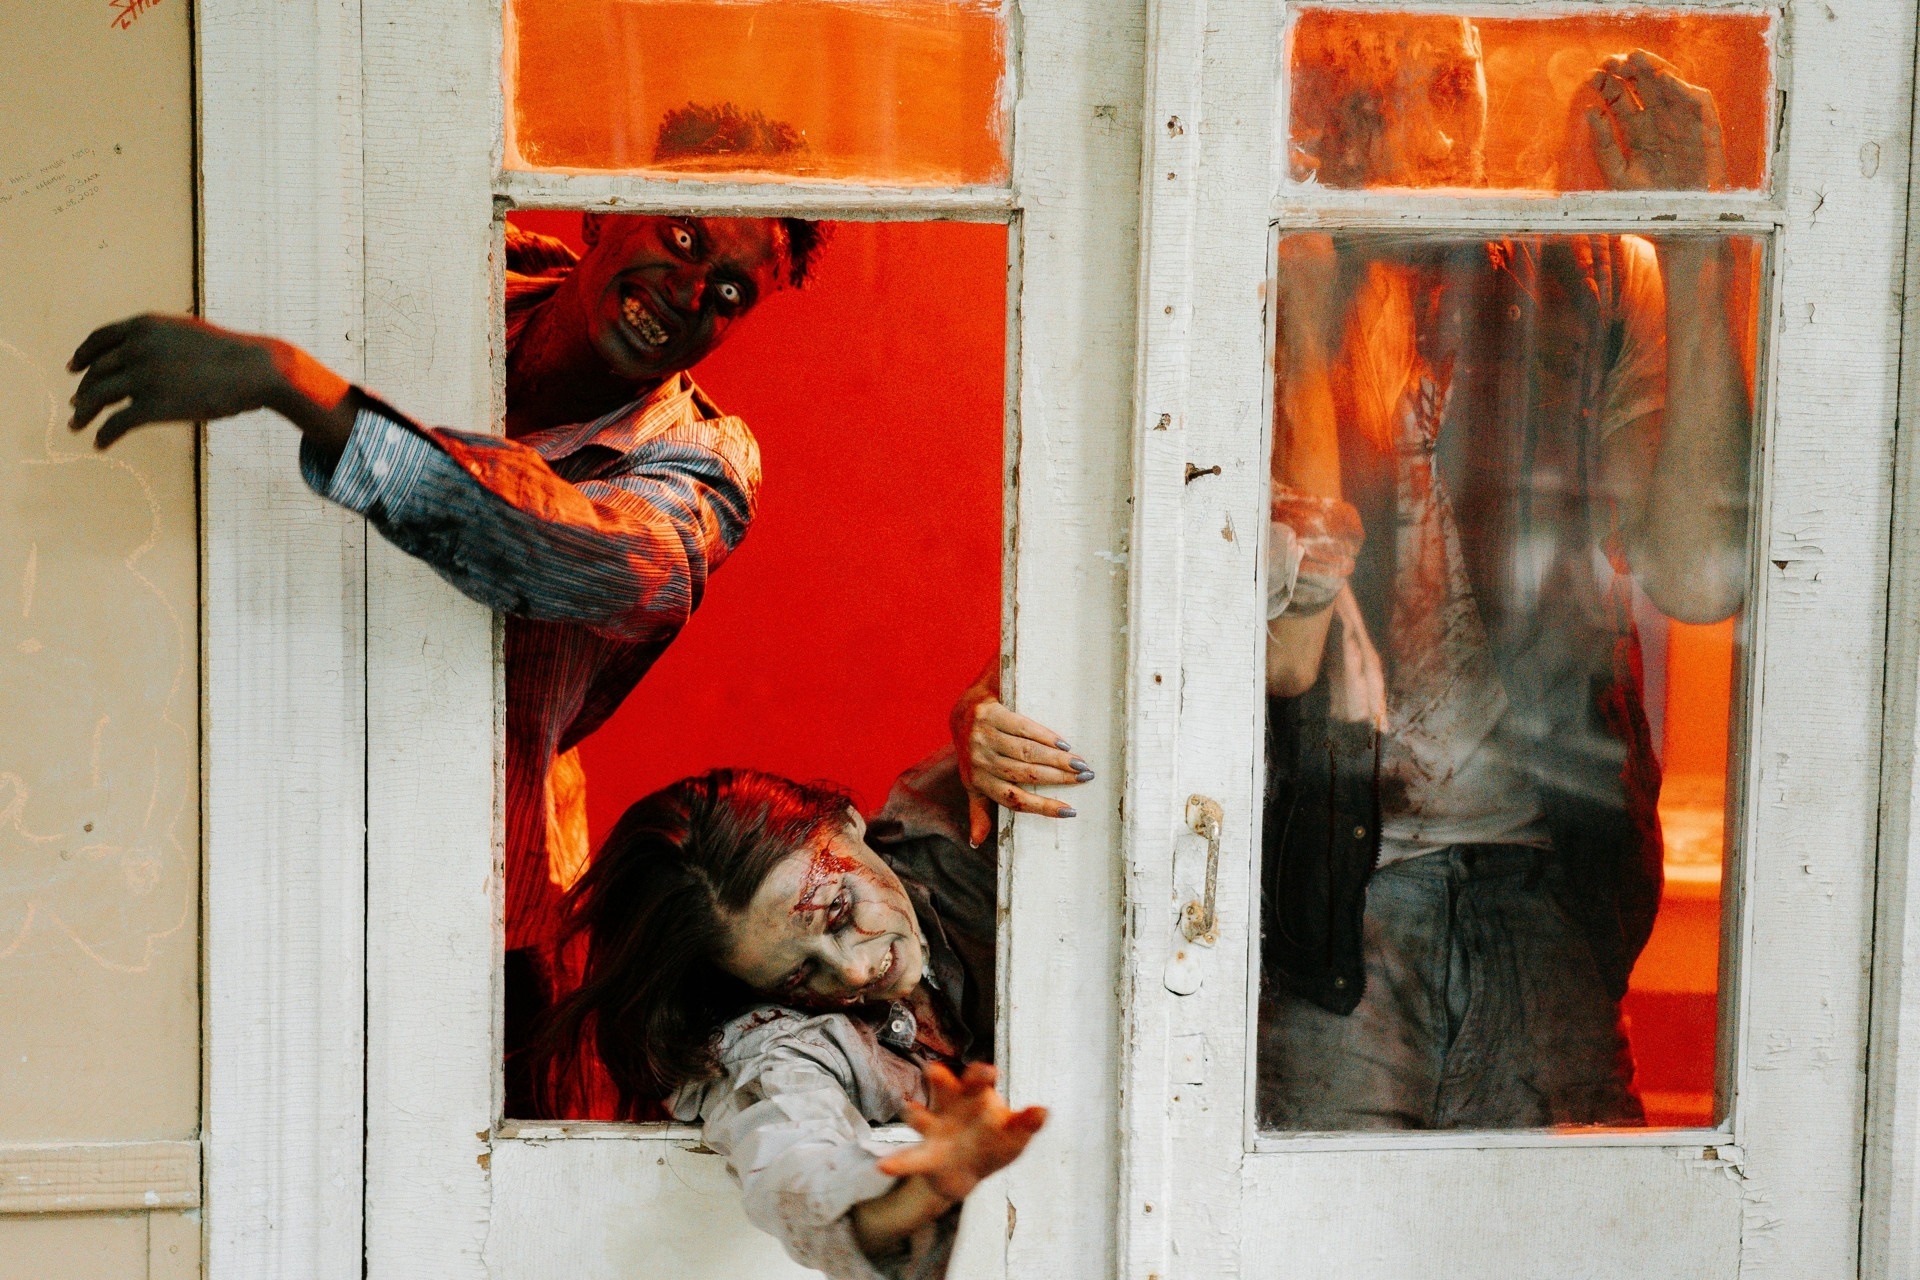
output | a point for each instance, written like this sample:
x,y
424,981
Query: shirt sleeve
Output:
x,y
788,1117
627,556
1284,554
1636,385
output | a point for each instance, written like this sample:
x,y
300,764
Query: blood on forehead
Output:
x,y
824,866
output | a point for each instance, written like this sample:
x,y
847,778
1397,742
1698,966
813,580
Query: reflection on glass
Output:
x,y
906,92
1573,102
1509,536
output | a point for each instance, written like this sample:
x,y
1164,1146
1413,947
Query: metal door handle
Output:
x,y
1197,919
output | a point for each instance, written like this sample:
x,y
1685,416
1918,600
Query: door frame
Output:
x,y
283,683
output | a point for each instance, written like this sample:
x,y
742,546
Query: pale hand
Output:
x,y
967,1134
1000,752
1651,130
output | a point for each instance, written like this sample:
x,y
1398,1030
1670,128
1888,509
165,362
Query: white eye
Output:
x,y
731,294
683,238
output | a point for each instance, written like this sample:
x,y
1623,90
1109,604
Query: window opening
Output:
x,y
858,419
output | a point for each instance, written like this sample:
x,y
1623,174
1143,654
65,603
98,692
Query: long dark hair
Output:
x,y
652,913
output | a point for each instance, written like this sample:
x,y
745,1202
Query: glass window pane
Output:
x,y
1508,559
908,92
1381,99
832,638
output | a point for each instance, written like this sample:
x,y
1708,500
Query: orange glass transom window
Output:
x,y
907,92
1354,75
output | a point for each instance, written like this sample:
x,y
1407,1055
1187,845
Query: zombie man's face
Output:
x,y
661,292
830,926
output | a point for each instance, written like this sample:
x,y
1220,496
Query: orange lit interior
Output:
x,y
1535,65
1672,999
902,92
867,595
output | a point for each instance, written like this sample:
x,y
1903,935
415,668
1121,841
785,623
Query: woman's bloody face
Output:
x,y
830,926
661,292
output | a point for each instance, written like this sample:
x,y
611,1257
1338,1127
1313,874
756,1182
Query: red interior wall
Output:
x,y
867,593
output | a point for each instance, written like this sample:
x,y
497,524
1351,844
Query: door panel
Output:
x,y
451,1189
1204,1194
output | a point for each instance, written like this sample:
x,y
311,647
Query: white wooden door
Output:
x,y
451,1188
1772,1186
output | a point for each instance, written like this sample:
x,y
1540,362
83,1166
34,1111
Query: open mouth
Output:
x,y
646,327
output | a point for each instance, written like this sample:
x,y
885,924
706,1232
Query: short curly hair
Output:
x,y
698,135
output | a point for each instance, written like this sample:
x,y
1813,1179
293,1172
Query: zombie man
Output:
x,y
594,525
1479,449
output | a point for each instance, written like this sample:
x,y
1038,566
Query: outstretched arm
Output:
x,y
627,554
967,1133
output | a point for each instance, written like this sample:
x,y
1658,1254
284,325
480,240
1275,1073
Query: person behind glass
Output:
x,y
594,525
791,975
1475,445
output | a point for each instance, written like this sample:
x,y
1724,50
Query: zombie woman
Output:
x,y
791,975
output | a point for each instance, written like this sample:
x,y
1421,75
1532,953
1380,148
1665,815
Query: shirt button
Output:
x,y
1359,833
1339,984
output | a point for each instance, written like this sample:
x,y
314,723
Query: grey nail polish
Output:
x,y
1061,743
1085,775
1079,766
1069,813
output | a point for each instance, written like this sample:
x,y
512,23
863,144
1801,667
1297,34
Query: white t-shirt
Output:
x,y
1447,759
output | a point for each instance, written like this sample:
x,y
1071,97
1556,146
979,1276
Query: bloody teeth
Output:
x,y
643,323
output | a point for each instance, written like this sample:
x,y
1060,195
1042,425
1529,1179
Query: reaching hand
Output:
x,y
1652,131
968,1133
998,749
179,369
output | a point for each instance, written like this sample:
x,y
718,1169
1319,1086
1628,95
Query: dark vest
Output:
x,y
1520,457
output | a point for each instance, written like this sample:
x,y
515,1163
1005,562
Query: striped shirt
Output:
x,y
596,540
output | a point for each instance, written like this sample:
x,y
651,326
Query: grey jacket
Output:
x,y
793,1110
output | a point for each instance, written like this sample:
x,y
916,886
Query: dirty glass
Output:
x,y
832,641
905,92
1568,102
1507,568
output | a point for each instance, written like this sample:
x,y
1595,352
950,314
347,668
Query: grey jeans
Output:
x,y
1483,1009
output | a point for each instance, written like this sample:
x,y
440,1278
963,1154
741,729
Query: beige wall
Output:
x,y
99,796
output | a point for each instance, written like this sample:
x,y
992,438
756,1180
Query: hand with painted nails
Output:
x,y
1651,130
1002,752
179,369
